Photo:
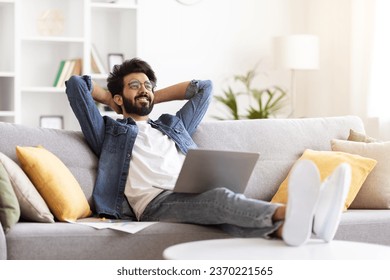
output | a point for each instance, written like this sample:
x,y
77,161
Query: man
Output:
x,y
138,157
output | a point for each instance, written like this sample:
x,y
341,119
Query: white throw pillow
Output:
x,y
375,192
32,206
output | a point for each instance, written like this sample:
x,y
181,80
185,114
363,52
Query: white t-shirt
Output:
x,y
155,161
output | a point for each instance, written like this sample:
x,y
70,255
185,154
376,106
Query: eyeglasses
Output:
x,y
136,85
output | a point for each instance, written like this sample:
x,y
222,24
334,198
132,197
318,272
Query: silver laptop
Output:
x,y
204,170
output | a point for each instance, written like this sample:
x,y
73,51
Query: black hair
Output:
x,y
135,65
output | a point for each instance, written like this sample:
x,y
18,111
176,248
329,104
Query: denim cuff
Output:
x,y
88,81
192,89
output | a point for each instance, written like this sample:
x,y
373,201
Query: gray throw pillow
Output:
x,y
9,206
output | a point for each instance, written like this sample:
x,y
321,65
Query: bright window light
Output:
x,y
379,91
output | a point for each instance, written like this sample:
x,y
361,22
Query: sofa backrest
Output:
x,y
69,146
280,143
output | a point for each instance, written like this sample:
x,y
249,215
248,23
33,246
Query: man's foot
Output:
x,y
330,205
303,193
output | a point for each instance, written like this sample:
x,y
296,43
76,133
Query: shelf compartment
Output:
x,y
9,119
52,17
50,103
41,61
7,30
7,101
106,41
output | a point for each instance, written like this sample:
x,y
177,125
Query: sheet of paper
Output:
x,y
121,225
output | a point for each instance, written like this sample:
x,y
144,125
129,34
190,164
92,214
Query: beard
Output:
x,y
142,109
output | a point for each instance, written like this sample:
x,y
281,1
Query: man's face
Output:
x,y
138,97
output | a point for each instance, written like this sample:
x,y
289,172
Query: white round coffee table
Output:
x,y
263,249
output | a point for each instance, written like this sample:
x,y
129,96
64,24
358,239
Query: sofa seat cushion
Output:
x,y
58,241
361,225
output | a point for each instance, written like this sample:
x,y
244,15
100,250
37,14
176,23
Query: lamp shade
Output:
x,y
300,52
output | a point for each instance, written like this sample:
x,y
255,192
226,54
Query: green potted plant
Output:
x,y
263,103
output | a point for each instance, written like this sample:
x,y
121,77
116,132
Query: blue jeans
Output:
x,y
234,213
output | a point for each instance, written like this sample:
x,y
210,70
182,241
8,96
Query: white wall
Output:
x,y
217,39
341,85
325,92
214,39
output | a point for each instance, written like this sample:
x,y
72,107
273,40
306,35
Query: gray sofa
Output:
x,y
279,141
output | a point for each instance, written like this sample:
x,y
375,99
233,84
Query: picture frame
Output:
x,y
55,122
114,59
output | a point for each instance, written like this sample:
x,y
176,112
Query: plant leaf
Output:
x,y
229,100
267,101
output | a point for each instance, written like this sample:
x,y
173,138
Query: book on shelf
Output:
x,y
64,73
78,67
97,65
67,68
62,63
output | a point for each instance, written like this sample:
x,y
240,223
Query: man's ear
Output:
x,y
118,100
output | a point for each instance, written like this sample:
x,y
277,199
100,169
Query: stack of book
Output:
x,y
69,67
66,69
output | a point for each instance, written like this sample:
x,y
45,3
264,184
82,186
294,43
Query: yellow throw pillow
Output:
x,y
56,184
326,162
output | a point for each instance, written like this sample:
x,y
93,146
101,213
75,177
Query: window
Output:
x,y
379,89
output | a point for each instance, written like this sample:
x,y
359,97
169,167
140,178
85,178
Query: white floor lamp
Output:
x,y
296,52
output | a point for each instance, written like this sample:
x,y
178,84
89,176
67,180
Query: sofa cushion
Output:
x,y
55,183
375,192
326,162
360,137
9,206
32,205
61,241
362,225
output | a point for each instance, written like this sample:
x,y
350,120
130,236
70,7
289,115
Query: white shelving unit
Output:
x,y
8,99
39,34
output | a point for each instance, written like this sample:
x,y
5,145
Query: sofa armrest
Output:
x,y
3,245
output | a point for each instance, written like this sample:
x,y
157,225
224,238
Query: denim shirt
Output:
x,y
113,140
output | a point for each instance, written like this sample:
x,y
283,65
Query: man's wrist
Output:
x,y
99,94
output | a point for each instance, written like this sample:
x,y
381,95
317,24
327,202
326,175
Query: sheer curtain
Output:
x,y
379,88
